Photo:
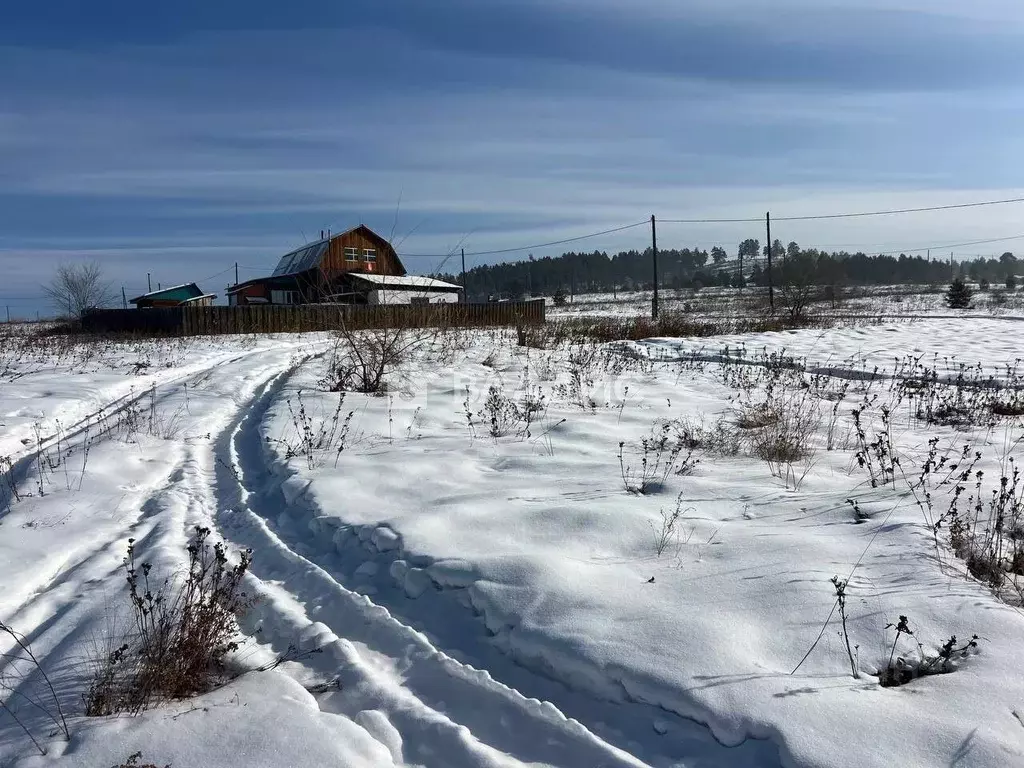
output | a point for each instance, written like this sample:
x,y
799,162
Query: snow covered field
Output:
x,y
713,302
572,556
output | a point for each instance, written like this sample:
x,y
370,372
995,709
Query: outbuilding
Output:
x,y
376,290
175,296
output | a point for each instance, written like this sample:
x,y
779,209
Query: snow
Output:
x,y
468,600
258,721
888,302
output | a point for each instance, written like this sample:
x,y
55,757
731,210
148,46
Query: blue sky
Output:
x,y
179,138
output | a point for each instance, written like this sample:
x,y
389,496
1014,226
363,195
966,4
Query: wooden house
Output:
x,y
175,296
323,272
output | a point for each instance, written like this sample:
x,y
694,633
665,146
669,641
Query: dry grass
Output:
x,y
182,632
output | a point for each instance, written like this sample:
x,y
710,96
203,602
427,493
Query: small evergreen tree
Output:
x,y
958,295
559,298
983,284
1011,282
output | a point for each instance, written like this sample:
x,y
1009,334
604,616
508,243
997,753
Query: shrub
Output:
x,y
504,416
989,534
584,362
756,416
785,437
877,456
182,631
1011,282
132,761
658,455
958,295
360,361
719,439
900,669
781,431
667,535
314,436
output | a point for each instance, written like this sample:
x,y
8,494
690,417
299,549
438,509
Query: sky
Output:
x,y
178,139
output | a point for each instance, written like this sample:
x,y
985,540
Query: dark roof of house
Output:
x,y
183,292
301,259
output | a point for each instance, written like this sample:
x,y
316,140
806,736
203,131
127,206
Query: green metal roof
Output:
x,y
178,292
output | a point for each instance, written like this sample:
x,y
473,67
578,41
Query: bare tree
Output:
x,y
798,286
76,287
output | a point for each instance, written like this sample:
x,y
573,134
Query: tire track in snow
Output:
x,y
51,607
41,583
449,714
24,461
624,723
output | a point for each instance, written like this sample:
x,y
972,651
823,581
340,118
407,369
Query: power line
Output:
x,y
951,245
537,246
204,279
859,214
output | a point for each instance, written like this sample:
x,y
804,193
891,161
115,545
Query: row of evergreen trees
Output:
x,y
695,268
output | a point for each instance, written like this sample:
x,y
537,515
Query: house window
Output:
x,y
369,254
419,300
351,254
284,297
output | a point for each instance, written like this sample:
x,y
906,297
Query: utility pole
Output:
x,y
149,283
739,282
771,282
572,286
465,293
236,270
8,315
654,264
124,299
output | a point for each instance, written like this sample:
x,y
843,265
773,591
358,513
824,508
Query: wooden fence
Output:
x,y
202,321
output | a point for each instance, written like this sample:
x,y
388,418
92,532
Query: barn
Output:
x,y
175,296
323,272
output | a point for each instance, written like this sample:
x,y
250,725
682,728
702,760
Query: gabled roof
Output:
x,y
184,291
407,282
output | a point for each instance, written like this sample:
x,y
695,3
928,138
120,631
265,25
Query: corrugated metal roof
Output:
x,y
407,281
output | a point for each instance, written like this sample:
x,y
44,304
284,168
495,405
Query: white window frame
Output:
x,y
351,253
369,255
